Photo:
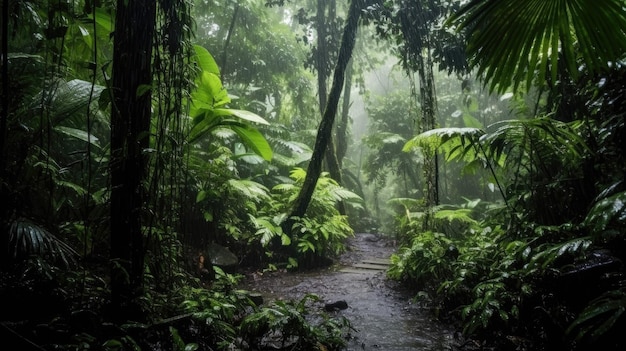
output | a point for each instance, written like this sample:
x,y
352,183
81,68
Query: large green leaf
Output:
x,y
607,214
205,60
209,93
250,136
78,134
514,42
204,123
243,114
253,139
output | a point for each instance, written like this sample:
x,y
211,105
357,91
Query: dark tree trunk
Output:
x,y
324,132
231,29
342,125
322,54
130,127
429,108
4,116
322,60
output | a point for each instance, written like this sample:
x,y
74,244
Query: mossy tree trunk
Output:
x,y
324,132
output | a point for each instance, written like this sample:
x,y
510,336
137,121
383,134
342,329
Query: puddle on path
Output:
x,y
384,316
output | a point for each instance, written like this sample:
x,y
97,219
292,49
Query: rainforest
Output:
x,y
156,155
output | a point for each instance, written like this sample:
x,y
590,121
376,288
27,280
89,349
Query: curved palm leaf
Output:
x,y
514,41
456,143
27,238
540,138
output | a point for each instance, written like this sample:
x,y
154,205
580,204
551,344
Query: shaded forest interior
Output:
x,y
153,153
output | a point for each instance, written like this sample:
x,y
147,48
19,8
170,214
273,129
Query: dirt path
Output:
x,y
382,313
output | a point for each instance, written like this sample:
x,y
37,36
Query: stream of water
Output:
x,y
383,315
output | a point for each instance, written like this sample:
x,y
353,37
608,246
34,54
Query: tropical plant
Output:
x,y
317,236
539,42
296,326
209,111
391,125
423,262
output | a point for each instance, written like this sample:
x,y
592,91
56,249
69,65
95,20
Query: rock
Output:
x,y
371,237
336,306
221,256
275,340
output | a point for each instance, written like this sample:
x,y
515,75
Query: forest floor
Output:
x,y
383,314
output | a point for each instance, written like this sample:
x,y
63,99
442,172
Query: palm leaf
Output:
x,y
79,134
28,239
514,42
457,143
544,138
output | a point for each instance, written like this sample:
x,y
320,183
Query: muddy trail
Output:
x,y
383,314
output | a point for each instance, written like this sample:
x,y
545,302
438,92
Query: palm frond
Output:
x,y
544,138
27,239
456,143
289,153
514,42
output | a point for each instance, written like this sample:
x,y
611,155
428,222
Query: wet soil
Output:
x,y
383,314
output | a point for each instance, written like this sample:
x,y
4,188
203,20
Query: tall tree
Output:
x,y
130,127
4,114
415,26
322,60
342,125
324,132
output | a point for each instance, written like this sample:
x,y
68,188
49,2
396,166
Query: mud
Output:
x,y
383,314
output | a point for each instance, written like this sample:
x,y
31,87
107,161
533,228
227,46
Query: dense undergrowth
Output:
x,y
542,269
539,269
51,309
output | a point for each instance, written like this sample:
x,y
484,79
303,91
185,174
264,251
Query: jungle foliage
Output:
x,y
508,207
212,164
542,266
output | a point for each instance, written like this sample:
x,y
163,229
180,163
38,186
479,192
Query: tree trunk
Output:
x,y
429,108
324,132
4,117
130,127
322,54
231,29
342,125
322,77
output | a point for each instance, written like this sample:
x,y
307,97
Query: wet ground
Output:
x,y
384,315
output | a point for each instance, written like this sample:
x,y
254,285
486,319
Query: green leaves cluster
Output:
x,y
320,234
209,111
297,325
560,221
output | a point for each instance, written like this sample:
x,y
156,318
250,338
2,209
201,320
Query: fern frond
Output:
x,y
284,188
462,214
405,202
251,190
298,174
